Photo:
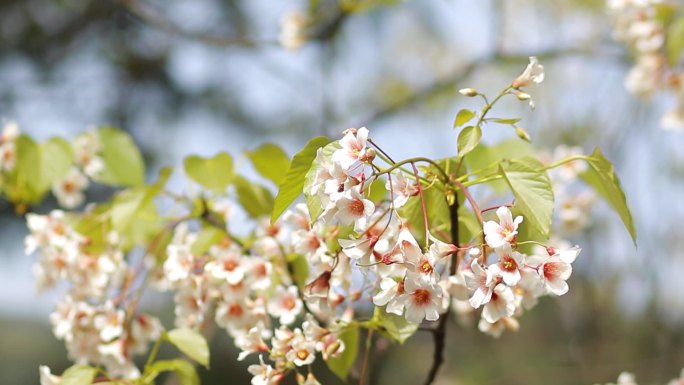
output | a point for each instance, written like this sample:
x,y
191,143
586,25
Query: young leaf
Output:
x,y
602,177
209,235
270,161
463,116
341,365
394,326
78,375
300,269
56,158
468,139
533,192
485,159
187,375
123,162
505,120
130,205
190,343
292,184
254,198
214,173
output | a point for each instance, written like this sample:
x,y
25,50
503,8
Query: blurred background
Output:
x,y
197,77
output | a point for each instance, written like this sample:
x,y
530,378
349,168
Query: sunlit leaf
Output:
x,y
191,343
78,375
213,173
462,117
185,371
270,161
254,198
533,192
394,326
122,159
293,182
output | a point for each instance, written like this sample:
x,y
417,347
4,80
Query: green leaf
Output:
x,y
602,177
270,161
437,212
675,40
376,191
208,236
78,375
485,159
468,139
292,184
341,365
123,161
533,192
505,120
394,326
191,343
463,116
56,159
300,269
254,198
187,375
213,173
136,205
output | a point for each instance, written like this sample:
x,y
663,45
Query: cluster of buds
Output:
x,y
638,25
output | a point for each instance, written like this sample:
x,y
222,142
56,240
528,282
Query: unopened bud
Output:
x,y
368,156
333,348
300,378
351,130
469,92
522,95
522,134
551,251
474,252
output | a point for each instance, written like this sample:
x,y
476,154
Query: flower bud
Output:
x,y
523,96
522,134
474,252
469,92
368,156
550,250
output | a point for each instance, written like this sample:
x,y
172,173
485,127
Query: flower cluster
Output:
x,y
513,281
638,25
94,327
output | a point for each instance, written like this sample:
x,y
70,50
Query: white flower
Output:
x,y
673,119
8,156
353,207
390,290
501,304
400,188
303,351
86,148
69,191
10,132
263,374
47,378
533,74
644,78
509,265
353,148
250,342
422,299
228,267
555,272
285,304
481,282
504,232
497,328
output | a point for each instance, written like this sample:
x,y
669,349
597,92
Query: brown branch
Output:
x,y
439,334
